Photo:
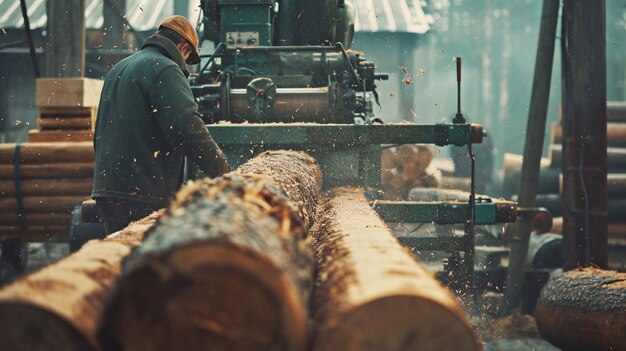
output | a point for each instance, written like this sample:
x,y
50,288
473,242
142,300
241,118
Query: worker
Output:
x,y
147,123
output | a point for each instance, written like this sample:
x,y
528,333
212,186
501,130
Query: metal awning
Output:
x,y
406,16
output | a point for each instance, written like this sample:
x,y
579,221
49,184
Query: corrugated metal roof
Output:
x,y
372,15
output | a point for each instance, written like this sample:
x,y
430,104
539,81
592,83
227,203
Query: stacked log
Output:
x,y
67,109
583,309
39,186
370,293
57,308
550,177
405,167
227,268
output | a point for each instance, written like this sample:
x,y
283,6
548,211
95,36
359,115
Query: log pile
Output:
x,y
370,293
67,109
550,177
583,309
57,308
406,167
40,183
228,267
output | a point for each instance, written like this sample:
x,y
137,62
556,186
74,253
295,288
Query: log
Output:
x,y
615,230
57,308
616,158
615,186
48,170
370,292
48,187
227,268
53,152
42,203
548,182
35,233
458,183
64,123
554,203
513,163
616,134
405,166
583,309
616,111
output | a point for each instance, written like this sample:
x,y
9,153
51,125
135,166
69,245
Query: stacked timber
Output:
x,y
62,303
228,267
583,309
406,167
67,109
551,179
372,294
40,183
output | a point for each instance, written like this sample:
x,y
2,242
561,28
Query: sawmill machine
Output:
x,y
283,76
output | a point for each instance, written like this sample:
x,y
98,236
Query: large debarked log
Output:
x,y
370,294
57,307
227,268
584,309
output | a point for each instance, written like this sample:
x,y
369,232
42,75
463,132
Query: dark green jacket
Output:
x,y
147,122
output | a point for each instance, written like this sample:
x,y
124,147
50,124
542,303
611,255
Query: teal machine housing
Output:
x,y
247,23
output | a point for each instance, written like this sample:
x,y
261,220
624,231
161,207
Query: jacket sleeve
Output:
x,y
176,113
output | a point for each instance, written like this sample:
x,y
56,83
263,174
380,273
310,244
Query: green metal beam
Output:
x,y
446,212
342,136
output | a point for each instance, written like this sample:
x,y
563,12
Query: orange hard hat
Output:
x,y
181,25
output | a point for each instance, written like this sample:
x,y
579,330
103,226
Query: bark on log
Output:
x,y
583,309
616,158
48,152
49,187
370,293
228,267
57,308
48,170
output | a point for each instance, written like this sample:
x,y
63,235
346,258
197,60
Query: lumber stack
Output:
x,y
67,109
227,268
40,183
370,293
406,167
583,309
58,307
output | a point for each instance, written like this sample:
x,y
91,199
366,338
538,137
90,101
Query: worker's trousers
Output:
x,y
118,214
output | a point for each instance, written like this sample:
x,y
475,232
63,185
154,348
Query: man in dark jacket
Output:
x,y
147,123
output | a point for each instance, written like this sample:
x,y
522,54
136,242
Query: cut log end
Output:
x,y
398,323
216,295
584,310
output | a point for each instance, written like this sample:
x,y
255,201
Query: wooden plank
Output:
x,y
65,123
38,136
615,132
48,187
68,92
48,170
48,152
42,203
36,219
